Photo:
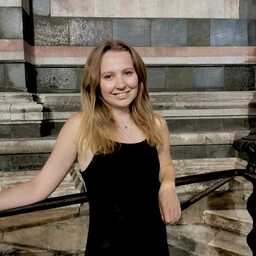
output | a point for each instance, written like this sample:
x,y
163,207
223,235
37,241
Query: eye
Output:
x,y
128,72
107,76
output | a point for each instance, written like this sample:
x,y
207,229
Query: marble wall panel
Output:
x,y
111,8
247,9
220,151
179,79
89,32
57,79
252,32
51,31
5,131
188,152
206,125
73,8
41,7
229,32
143,32
15,76
208,78
231,9
198,32
202,151
171,32
239,78
201,9
133,31
11,28
2,76
156,78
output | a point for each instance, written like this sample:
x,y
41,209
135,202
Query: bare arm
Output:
x,y
167,170
53,172
168,200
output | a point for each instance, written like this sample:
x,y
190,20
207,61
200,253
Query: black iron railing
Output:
x,y
246,144
56,202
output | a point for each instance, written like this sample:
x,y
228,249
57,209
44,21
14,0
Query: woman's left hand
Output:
x,y
169,203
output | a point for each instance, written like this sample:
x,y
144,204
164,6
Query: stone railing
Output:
x,y
248,145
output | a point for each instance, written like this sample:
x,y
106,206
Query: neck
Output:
x,y
121,114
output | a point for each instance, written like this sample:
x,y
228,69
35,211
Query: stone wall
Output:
x,y
186,45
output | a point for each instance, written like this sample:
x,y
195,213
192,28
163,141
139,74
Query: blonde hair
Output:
x,y
97,124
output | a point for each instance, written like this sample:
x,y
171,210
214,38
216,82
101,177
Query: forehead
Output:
x,y
116,60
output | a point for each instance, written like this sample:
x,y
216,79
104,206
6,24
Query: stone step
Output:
x,y
45,144
226,243
21,151
33,219
183,104
70,185
210,124
187,167
171,113
200,240
23,111
235,220
183,146
44,114
192,239
39,128
214,98
240,183
166,99
206,113
17,97
54,233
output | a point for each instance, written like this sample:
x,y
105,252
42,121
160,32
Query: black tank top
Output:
x,y
122,190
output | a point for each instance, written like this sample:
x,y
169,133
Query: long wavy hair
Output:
x,y
97,123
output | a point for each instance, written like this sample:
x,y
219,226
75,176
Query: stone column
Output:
x,y
14,30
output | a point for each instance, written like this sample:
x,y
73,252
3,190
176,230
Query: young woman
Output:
x,y
123,150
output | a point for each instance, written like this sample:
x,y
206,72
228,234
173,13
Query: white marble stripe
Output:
x,y
146,8
151,60
10,3
206,138
12,56
15,3
230,112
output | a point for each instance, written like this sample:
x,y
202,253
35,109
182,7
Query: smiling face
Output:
x,y
118,79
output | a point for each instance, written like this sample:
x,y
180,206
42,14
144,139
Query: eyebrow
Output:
x,y
111,71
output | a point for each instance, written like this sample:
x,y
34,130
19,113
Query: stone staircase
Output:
x,y
217,225
222,233
203,126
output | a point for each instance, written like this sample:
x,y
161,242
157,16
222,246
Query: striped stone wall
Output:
x,y
187,45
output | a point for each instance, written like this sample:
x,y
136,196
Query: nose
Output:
x,y
120,83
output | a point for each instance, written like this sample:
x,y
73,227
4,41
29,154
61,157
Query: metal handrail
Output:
x,y
78,198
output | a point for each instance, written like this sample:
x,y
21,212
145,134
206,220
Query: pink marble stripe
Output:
x,y
11,45
74,51
74,54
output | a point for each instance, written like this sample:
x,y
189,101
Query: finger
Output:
x,y
161,212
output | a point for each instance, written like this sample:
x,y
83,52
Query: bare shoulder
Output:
x,y
75,119
70,129
73,122
160,122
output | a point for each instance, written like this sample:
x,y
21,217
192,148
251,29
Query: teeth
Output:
x,y
122,94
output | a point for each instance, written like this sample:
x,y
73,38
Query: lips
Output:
x,y
122,95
